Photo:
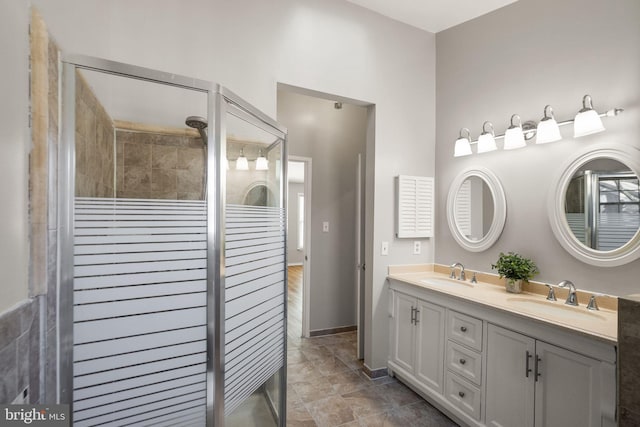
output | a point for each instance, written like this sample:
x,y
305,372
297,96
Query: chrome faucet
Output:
x,y
552,294
593,304
453,271
572,298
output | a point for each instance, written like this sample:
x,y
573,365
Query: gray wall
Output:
x,y
332,139
516,60
294,256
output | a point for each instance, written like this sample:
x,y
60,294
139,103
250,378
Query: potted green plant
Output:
x,y
516,269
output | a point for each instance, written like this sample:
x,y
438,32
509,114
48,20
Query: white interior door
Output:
x,y
359,261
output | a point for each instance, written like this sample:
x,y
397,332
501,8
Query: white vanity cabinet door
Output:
x,y
430,344
510,379
568,390
403,331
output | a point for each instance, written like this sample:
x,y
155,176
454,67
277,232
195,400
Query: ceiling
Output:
x,y
432,15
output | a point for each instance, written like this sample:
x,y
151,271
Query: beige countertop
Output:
x,y
602,324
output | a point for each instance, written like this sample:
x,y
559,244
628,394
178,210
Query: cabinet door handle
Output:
x,y
462,361
527,369
537,367
461,393
416,320
463,328
413,319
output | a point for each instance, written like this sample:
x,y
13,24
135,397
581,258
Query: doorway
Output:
x,y
298,245
333,134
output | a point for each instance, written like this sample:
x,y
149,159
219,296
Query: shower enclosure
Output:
x,y
172,287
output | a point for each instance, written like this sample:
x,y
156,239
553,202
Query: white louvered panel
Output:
x,y
414,206
463,208
254,294
139,312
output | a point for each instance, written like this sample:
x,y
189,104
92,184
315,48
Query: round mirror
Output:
x,y
476,209
595,209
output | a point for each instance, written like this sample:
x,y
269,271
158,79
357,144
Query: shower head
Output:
x,y
199,123
196,122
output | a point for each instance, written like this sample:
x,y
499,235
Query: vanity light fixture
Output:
x,y
514,137
261,162
548,129
242,164
586,122
463,144
486,140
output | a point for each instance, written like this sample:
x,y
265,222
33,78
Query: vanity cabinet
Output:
x,y
484,366
533,383
418,339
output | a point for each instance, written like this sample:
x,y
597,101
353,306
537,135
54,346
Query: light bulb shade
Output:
x,y
486,143
548,131
587,122
462,148
242,164
262,164
514,138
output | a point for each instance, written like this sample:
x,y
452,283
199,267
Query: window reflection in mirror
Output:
x,y
602,204
474,208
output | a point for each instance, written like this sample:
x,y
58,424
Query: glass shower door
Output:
x,y
255,271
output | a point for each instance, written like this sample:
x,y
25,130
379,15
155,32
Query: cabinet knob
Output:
x,y
461,393
463,328
462,361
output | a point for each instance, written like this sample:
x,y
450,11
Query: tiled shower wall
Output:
x,y
94,144
159,166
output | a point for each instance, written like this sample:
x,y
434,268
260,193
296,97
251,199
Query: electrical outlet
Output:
x,y
417,247
384,250
325,227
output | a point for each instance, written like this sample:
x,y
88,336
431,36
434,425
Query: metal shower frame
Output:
x,y
220,102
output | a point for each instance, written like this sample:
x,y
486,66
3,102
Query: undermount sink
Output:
x,y
436,281
556,309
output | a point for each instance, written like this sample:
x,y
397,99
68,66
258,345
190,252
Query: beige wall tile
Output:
x,y
164,156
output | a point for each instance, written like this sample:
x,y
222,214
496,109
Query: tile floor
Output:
x,y
326,385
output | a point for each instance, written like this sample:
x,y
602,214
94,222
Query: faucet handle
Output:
x,y
552,293
463,276
593,304
473,278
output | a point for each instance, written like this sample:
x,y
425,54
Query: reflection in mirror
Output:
x,y
602,204
259,184
474,208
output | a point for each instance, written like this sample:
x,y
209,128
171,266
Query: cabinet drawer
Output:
x,y
464,362
465,330
463,395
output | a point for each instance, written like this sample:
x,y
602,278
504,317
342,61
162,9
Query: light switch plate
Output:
x,y
384,249
325,227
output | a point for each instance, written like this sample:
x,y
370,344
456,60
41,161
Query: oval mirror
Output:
x,y
476,209
595,209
